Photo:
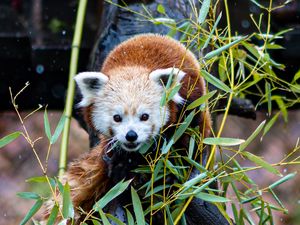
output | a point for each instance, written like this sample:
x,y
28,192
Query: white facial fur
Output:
x,y
129,96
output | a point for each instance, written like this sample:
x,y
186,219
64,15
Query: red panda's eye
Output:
x,y
117,118
144,117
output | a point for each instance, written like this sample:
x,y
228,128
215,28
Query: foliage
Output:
x,y
243,69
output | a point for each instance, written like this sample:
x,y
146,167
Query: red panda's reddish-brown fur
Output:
x,y
87,175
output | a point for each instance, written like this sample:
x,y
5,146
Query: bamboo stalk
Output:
x,y
71,85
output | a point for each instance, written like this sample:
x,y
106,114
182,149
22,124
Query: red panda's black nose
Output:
x,y
131,136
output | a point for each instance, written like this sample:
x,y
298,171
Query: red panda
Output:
x,y
122,103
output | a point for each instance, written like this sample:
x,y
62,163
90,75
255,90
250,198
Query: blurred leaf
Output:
x,y
295,88
282,107
282,180
212,31
67,208
260,162
211,198
203,11
201,100
37,205
28,195
63,222
172,168
223,48
47,125
115,191
270,123
161,9
274,46
58,130
296,77
96,222
137,208
159,21
223,141
130,220
103,218
9,138
53,215
215,81
252,136
173,92
182,128
259,5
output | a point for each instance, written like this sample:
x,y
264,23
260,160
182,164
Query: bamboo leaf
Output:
x,y
58,130
9,138
201,100
212,31
114,220
115,191
137,208
252,136
193,181
203,11
296,77
47,125
211,198
130,220
53,215
282,180
67,209
268,94
223,48
223,141
270,123
215,81
182,128
104,218
157,189
63,222
161,9
159,21
260,162
166,148
28,195
37,205
191,146
282,107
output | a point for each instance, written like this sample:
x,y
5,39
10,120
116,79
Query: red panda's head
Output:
x,y
127,103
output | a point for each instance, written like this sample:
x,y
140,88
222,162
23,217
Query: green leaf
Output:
x,y
182,128
28,195
193,181
212,31
296,77
295,88
47,125
191,146
114,220
38,204
157,189
259,5
282,107
96,222
270,123
252,136
115,191
159,21
166,148
161,9
137,208
268,94
211,198
63,222
53,215
130,220
67,209
171,167
223,141
223,48
103,218
9,138
282,180
201,100
215,81
59,129
260,162
203,11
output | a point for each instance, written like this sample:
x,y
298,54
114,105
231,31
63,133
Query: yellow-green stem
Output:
x,y
71,84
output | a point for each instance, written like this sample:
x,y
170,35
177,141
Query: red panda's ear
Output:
x,y
162,76
90,84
